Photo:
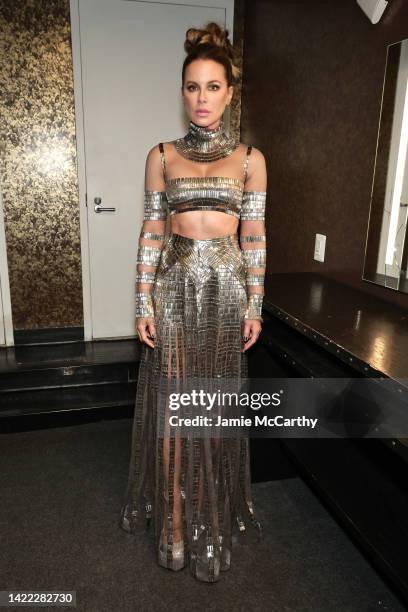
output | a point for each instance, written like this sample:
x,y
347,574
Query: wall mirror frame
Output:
x,y
386,251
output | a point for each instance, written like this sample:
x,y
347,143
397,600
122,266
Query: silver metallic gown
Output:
x,y
199,296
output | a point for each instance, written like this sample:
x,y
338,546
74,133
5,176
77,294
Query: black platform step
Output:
x,y
49,378
48,335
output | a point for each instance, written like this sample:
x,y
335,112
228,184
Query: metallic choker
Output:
x,y
203,144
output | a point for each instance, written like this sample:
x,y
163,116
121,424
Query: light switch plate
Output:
x,y
320,247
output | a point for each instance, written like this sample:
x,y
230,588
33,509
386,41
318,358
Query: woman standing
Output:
x,y
198,306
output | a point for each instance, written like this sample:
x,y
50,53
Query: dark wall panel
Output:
x,y
311,99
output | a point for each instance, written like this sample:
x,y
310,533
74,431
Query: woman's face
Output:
x,y
205,89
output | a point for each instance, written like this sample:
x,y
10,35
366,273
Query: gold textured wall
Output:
x,y
38,160
38,164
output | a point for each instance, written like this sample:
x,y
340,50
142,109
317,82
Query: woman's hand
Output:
x,y
146,330
251,330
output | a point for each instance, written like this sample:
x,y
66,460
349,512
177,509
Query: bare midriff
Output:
x,y
202,224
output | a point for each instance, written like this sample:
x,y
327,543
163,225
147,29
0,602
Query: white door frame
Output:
x,y
228,6
6,320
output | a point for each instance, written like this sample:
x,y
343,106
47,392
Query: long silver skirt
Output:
x,y
200,299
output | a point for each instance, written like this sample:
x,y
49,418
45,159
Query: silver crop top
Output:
x,y
221,193
224,194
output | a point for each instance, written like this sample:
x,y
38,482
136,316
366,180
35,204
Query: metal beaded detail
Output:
x,y
254,308
253,205
145,277
148,255
203,144
205,193
249,238
144,305
155,205
254,258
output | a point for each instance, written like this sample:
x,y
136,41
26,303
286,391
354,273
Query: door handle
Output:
x,y
98,208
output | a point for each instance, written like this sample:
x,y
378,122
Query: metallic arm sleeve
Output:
x,y
151,242
253,246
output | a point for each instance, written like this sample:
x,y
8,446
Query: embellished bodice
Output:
x,y
225,194
220,193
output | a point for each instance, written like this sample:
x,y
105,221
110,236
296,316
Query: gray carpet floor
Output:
x,y
61,493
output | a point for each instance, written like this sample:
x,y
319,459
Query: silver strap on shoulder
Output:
x,y
249,149
163,161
